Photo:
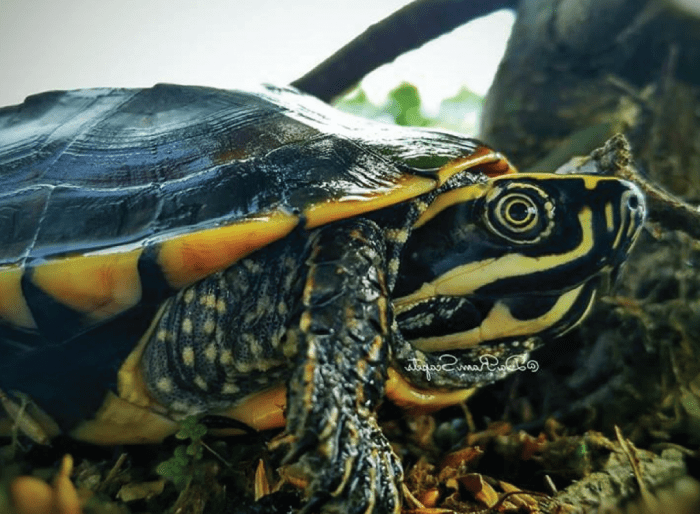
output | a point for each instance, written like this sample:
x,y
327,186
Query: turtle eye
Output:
x,y
520,213
517,211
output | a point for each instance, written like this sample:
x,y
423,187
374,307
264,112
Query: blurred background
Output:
x,y
46,45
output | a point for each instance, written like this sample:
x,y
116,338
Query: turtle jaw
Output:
x,y
471,322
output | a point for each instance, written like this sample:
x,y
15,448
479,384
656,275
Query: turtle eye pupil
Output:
x,y
518,212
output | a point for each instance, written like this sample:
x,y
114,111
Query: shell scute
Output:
x,y
160,187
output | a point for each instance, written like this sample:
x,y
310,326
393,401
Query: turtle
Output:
x,y
260,257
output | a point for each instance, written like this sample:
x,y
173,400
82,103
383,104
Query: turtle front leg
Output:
x,y
335,442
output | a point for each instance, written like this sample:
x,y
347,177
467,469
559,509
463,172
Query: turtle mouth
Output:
x,y
468,322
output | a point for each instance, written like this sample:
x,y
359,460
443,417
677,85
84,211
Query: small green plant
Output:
x,y
181,468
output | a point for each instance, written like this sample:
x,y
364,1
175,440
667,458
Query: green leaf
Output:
x,y
198,431
405,106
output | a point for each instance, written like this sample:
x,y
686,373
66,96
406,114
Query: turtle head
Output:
x,y
518,256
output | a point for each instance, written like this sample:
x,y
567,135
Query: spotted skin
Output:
x,y
224,338
321,328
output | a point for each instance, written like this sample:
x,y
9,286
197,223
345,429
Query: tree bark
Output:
x,y
577,71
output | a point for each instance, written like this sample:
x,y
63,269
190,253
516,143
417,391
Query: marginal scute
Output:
x,y
189,258
13,307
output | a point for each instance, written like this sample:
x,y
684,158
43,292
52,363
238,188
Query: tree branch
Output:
x,y
406,29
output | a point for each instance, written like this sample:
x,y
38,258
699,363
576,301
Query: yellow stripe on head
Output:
x,y
499,323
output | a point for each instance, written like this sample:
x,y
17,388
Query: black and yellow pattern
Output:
x,y
180,250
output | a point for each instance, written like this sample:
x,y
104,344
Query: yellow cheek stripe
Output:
x,y
464,280
609,220
500,323
13,307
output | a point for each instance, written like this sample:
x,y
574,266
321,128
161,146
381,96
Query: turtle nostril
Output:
x,y
633,202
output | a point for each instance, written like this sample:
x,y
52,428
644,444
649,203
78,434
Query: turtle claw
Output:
x,y
353,471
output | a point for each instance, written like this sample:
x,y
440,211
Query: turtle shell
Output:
x,y
115,198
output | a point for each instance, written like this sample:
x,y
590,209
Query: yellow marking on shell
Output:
x,y
188,356
162,335
499,323
186,326
221,306
260,411
98,285
188,258
13,308
463,280
450,198
416,400
410,186
189,296
495,164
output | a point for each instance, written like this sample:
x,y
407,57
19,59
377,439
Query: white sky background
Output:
x,y
69,44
